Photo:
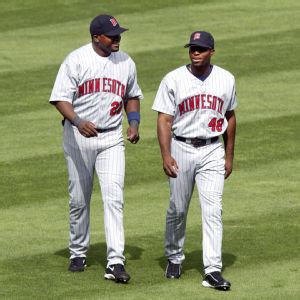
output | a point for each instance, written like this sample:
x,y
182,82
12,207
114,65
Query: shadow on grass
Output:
x,y
97,254
193,261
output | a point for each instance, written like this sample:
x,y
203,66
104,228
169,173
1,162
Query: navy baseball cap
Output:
x,y
105,24
202,39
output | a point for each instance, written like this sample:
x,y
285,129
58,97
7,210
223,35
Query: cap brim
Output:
x,y
199,45
115,32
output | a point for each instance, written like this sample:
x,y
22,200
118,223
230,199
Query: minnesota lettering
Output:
x,y
201,101
97,85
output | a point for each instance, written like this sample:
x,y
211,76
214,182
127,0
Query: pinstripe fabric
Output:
x,y
203,166
85,80
105,155
179,87
96,87
198,107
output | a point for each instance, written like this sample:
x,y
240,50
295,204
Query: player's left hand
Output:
x,y
133,135
228,167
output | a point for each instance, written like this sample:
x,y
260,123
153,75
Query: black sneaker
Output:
x,y
216,281
117,273
78,264
173,270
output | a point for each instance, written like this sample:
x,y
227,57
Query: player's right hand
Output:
x,y
87,129
228,167
170,166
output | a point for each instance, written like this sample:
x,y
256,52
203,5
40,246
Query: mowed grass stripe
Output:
x,y
259,54
41,125
35,177
149,248
32,94
81,11
38,51
39,132
145,251
275,140
261,199
274,194
266,230
142,252
27,91
232,13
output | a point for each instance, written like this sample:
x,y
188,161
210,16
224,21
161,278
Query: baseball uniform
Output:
x,y
197,106
96,87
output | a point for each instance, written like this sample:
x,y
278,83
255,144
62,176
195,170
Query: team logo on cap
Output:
x,y
197,36
113,21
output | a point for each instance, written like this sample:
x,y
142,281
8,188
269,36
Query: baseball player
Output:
x,y
195,105
93,85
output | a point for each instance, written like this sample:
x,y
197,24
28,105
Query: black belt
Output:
x,y
101,130
196,142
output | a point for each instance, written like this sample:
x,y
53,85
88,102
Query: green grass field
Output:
x,y
258,41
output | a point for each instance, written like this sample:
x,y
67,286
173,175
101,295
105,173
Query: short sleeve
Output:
x,y
233,100
66,82
133,90
165,98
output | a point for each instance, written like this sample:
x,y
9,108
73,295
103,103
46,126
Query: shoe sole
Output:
x,y
172,277
78,270
117,280
220,287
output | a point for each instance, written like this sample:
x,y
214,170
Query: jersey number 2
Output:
x,y
116,108
215,124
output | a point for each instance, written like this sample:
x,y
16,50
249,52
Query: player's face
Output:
x,y
200,56
113,42
107,44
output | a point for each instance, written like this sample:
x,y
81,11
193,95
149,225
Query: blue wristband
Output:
x,y
133,115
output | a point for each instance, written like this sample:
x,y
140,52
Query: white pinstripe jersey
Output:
x,y
198,106
97,86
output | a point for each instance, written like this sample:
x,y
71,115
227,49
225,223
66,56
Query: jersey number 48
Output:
x,y
216,124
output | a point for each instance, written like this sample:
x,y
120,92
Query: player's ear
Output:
x,y
95,38
212,51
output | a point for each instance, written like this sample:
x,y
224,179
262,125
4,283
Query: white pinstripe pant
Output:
x,y
205,167
105,155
